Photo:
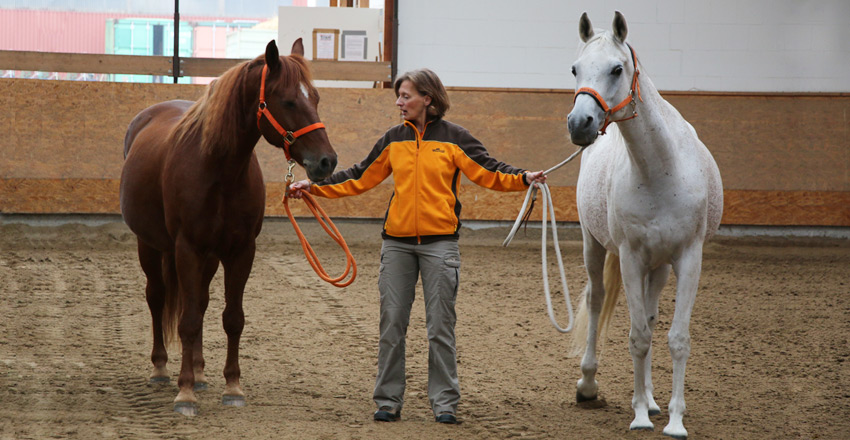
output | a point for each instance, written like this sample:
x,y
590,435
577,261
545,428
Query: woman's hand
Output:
x,y
296,188
535,177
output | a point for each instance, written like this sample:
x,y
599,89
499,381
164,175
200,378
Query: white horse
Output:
x,y
648,192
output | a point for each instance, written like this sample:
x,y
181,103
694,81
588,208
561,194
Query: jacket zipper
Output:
x,y
416,187
416,179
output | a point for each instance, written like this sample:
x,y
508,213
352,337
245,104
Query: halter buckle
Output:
x,y
289,138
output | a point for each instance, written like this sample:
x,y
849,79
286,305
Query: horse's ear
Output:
x,y
620,27
298,47
272,56
585,29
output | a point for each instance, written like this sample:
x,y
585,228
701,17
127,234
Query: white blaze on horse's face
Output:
x,y
605,65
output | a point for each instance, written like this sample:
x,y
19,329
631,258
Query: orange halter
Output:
x,y
289,137
630,99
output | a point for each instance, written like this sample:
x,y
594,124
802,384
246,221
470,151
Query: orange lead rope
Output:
x,y
330,228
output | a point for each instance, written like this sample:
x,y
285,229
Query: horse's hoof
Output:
x,y
642,426
678,432
229,400
580,398
160,380
642,423
188,409
201,386
654,412
635,427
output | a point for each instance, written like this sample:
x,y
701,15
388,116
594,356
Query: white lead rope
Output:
x,y
548,207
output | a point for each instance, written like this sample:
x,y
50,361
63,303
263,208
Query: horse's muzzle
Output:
x,y
320,168
583,129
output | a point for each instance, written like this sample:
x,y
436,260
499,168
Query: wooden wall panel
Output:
x,y
61,196
791,208
99,196
784,159
774,142
68,129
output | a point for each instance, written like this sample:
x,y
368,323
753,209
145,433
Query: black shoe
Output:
x,y
447,418
385,414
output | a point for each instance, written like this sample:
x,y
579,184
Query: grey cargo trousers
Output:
x,y
401,265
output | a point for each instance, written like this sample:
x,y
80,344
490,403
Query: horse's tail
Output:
x,y
612,280
129,135
579,332
172,308
136,125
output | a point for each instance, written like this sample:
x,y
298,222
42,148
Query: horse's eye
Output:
x,y
289,104
617,70
574,70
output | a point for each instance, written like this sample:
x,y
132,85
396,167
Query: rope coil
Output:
x,y
548,208
333,232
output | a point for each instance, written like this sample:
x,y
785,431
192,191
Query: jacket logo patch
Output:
x,y
438,150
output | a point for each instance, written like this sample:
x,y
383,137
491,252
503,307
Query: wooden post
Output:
x,y
175,62
390,34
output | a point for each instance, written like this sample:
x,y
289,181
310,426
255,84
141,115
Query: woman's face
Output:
x,y
412,104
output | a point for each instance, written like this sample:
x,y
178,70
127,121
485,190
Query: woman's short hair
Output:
x,y
427,83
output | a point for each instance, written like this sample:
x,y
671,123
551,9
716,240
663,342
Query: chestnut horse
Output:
x,y
192,191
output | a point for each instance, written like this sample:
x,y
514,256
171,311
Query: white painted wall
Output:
x,y
708,45
298,22
249,42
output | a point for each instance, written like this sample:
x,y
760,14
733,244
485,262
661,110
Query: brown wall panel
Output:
x,y
59,196
774,142
791,208
784,159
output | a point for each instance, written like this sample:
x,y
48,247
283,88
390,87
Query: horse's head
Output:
x,y
288,116
605,72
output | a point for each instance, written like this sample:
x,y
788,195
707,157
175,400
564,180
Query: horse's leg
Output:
x,y
190,268
151,262
657,280
594,260
198,351
687,269
236,270
640,334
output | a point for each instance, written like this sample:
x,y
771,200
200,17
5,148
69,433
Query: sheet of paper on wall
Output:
x,y
355,48
325,46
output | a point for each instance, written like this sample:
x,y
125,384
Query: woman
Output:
x,y
426,155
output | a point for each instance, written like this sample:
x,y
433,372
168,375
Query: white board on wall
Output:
x,y
299,22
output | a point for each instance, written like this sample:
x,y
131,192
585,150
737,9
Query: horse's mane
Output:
x,y
216,117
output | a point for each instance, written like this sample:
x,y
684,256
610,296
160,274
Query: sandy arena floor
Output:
x,y
770,353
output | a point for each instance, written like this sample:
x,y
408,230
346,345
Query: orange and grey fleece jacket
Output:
x,y
426,169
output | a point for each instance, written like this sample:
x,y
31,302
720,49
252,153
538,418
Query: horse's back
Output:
x,y
162,116
714,190
145,150
608,155
703,169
